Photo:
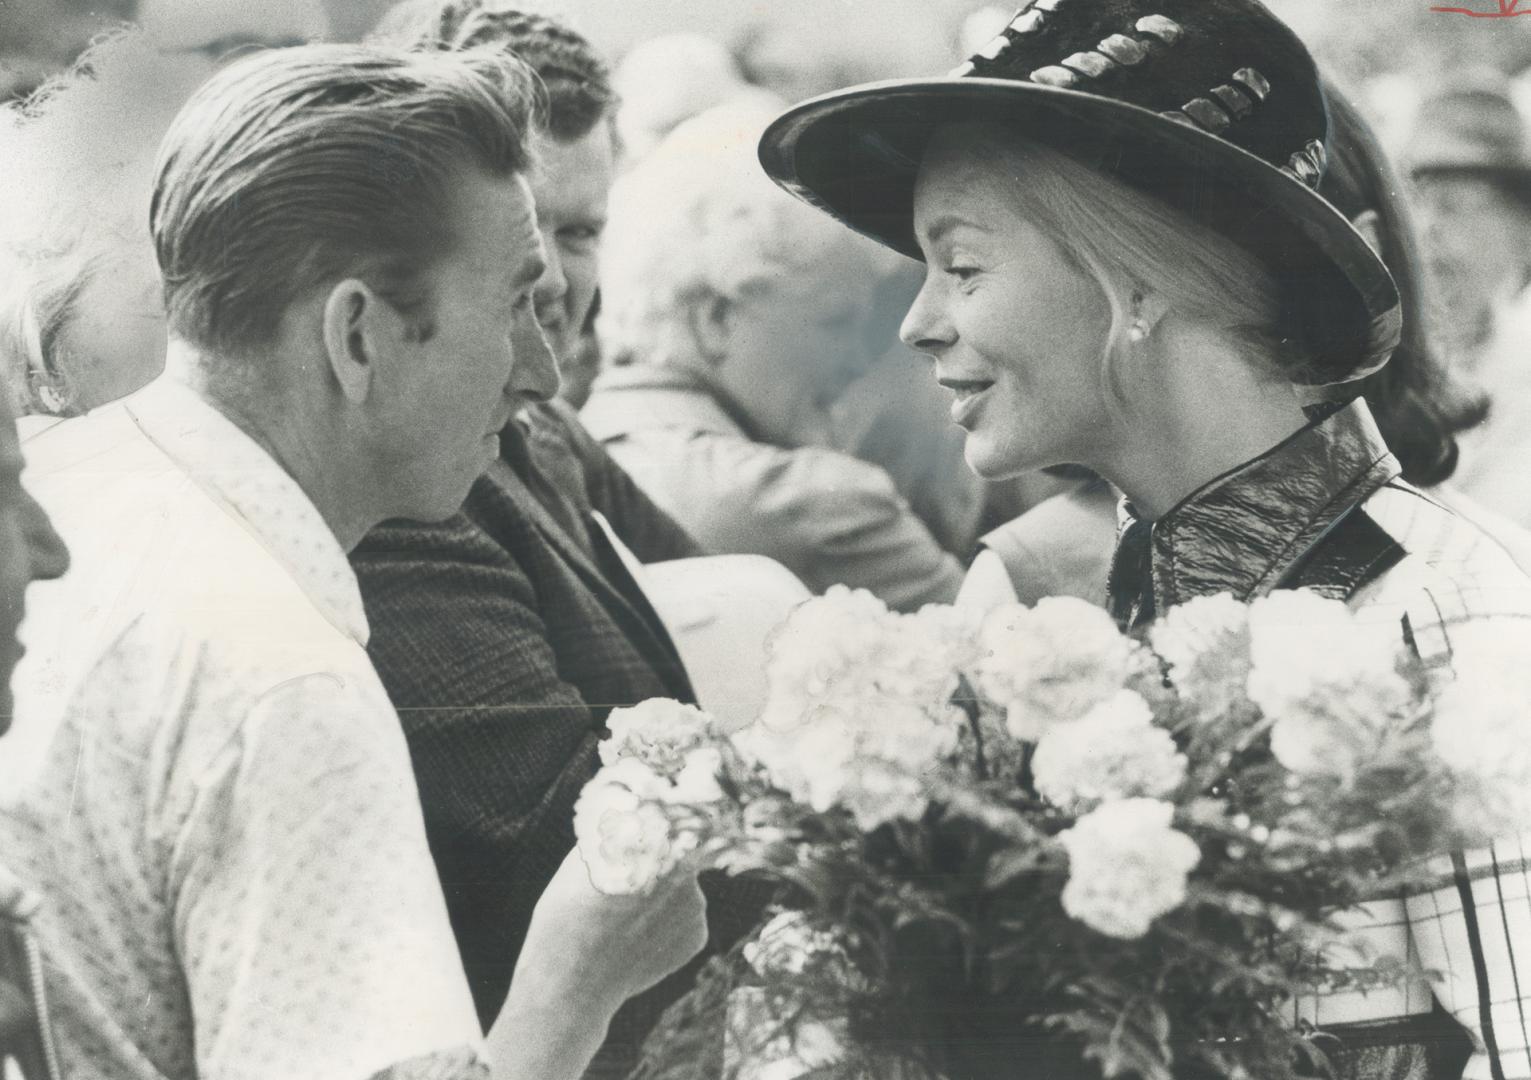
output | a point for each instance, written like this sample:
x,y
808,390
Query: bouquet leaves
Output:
x,y
1028,844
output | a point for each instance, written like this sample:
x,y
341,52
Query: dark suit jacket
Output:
x,y
504,642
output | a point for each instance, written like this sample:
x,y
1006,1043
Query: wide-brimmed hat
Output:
x,y
1471,127
1213,106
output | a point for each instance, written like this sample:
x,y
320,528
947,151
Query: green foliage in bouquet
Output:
x,y
1030,845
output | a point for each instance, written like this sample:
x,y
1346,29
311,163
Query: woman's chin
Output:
x,y
990,463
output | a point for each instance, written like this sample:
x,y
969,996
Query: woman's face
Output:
x,y
1017,330
29,551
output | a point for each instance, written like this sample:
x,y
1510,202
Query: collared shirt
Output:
x,y
219,813
1276,522
826,516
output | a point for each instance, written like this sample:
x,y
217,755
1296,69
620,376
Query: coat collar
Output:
x,y
639,397
1245,531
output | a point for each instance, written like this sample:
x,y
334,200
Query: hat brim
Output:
x,y
855,154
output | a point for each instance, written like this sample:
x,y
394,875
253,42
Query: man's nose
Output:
x,y
534,369
552,286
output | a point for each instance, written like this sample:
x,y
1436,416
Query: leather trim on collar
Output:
x,y
1242,532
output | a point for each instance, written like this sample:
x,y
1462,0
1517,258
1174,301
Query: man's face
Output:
x,y
29,551
570,187
447,396
795,341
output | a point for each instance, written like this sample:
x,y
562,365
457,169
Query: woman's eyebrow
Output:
x,y
945,223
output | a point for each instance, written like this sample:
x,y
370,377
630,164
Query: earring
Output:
x,y
1137,333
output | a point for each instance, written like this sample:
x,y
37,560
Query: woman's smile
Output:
x,y
968,397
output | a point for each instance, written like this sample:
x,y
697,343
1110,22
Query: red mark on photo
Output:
x,y
1505,10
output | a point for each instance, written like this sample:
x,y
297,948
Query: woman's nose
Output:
x,y
925,328
49,555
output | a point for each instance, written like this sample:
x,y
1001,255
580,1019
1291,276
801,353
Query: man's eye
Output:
x,y
962,273
579,237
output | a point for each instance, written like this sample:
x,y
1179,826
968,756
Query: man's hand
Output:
x,y
586,953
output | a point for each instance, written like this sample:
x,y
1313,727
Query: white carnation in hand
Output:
x,y
622,829
1127,866
1482,723
1113,752
1205,642
1327,680
659,732
1051,663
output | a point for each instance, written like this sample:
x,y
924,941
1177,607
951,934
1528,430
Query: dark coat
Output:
x,y
504,641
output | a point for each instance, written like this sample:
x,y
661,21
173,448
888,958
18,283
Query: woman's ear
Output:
x,y
1369,224
360,333
711,326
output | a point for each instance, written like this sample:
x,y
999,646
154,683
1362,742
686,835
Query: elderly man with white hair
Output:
x,y
733,319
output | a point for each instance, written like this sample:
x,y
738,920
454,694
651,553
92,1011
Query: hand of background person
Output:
x,y
586,953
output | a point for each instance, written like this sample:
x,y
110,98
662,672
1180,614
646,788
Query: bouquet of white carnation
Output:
x,y
1027,844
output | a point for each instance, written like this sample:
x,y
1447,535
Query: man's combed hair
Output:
x,y
299,167
577,78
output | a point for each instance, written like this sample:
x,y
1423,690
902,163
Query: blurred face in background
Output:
x,y
790,344
29,551
113,339
570,187
1478,231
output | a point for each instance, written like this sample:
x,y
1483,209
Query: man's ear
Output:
x,y
711,325
361,331
1369,224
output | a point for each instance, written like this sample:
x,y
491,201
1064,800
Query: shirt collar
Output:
x,y
1242,532
242,477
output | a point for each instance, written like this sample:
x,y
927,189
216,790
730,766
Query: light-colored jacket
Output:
x,y
825,515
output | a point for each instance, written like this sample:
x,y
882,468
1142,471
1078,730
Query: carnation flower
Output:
x,y
844,658
1328,681
659,732
1054,662
1482,723
950,633
1127,866
818,661
696,783
872,772
1205,642
622,829
1114,751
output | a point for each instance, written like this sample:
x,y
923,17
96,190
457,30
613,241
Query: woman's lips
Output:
x,y
968,397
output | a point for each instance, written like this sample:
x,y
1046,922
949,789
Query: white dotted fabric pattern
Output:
x,y
221,818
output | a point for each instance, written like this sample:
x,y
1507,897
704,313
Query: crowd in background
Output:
x,y
729,375
692,218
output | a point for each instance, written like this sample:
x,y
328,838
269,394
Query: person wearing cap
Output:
x,y
1129,268
1471,168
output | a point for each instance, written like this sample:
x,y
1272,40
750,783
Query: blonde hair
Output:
x,y
696,219
1136,246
